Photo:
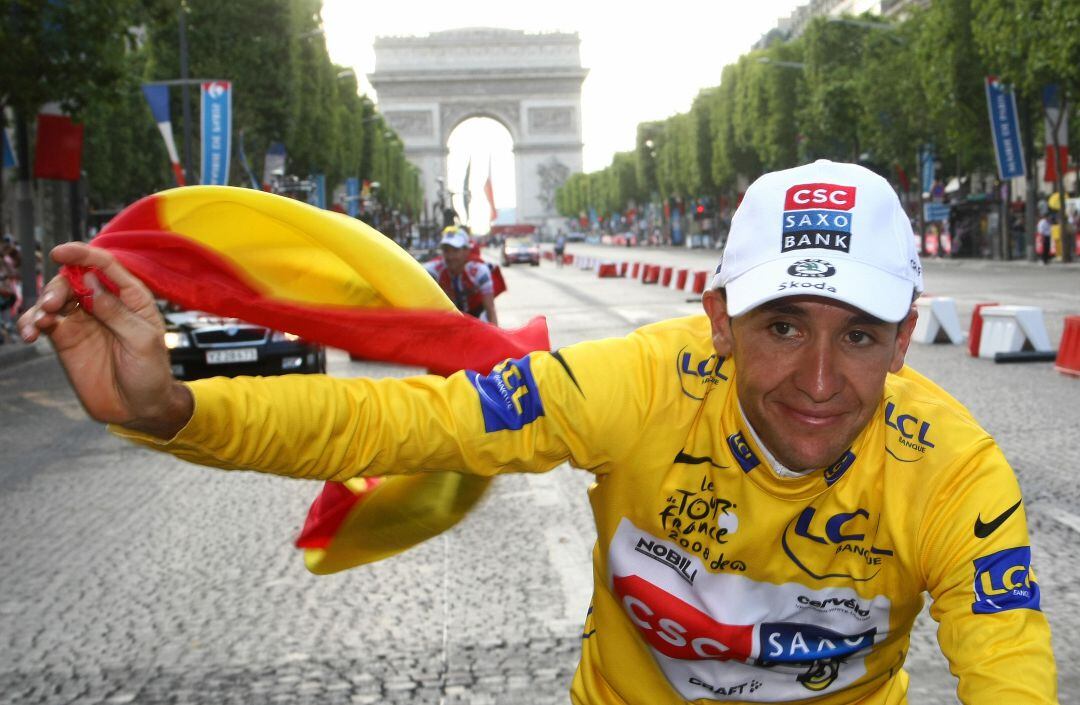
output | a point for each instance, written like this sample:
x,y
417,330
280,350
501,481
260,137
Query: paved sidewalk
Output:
x,y
12,354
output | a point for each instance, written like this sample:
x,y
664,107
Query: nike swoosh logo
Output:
x,y
983,530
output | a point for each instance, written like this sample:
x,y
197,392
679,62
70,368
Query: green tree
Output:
x,y
648,134
952,75
69,52
260,67
731,158
892,119
1029,44
768,117
123,156
830,117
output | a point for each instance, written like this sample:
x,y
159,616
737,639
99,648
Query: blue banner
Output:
x,y
352,196
216,129
935,211
319,194
9,155
926,167
676,227
1006,128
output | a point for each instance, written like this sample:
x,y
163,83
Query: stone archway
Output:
x,y
531,83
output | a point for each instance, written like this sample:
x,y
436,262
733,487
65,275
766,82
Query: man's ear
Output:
x,y
715,304
903,339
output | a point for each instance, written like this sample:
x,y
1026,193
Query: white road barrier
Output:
x,y
938,321
1010,329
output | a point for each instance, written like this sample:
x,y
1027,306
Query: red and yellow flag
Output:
x,y
332,279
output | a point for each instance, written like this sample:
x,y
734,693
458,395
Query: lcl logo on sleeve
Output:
x,y
818,216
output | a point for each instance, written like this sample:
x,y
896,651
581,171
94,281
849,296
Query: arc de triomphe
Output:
x,y
531,83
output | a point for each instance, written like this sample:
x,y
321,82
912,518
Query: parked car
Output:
x,y
520,250
204,345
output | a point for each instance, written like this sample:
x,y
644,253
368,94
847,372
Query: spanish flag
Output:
x,y
329,278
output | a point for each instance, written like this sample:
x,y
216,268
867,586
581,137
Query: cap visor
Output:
x,y
879,293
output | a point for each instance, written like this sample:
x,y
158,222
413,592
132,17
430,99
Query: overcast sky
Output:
x,y
646,60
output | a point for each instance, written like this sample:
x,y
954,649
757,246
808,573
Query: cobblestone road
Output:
x,y
129,577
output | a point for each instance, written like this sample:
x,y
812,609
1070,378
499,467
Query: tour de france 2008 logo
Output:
x,y
812,269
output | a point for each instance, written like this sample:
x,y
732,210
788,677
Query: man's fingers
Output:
x,y
133,293
115,314
57,296
82,255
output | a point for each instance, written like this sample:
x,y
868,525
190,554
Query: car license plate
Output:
x,y
220,357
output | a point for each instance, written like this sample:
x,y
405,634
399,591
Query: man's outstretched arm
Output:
x,y
113,352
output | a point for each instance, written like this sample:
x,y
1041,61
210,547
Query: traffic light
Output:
x,y
699,212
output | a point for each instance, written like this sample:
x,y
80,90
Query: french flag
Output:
x,y
158,97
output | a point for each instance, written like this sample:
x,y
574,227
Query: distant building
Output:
x,y
795,24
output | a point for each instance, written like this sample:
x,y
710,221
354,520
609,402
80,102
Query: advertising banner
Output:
x,y
59,148
318,194
926,167
9,154
1005,126
352,196
274,164
935,211
216,129
676,227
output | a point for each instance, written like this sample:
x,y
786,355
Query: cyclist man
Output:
x,y
468,282
775,491
560,249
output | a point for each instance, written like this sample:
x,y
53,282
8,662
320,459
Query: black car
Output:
x,y
204,345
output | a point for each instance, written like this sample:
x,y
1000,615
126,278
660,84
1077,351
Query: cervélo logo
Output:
x,y
817,216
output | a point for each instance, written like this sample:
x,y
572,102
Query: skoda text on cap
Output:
x,y
823,229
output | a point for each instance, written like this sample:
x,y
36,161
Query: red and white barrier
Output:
x,y
635,270
607,270
975,331
665,276
679,281
698,282
651,274
1068,358
1011,329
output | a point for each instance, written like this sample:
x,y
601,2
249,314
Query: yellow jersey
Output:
x,y
716,579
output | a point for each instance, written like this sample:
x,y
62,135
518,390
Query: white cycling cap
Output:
x,y
823,229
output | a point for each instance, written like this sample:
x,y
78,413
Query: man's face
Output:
x,y
810,371
455,258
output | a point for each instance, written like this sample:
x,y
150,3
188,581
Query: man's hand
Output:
x,y
114,357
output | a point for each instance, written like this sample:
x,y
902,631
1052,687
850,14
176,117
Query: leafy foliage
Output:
x,y
864,89
286,89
